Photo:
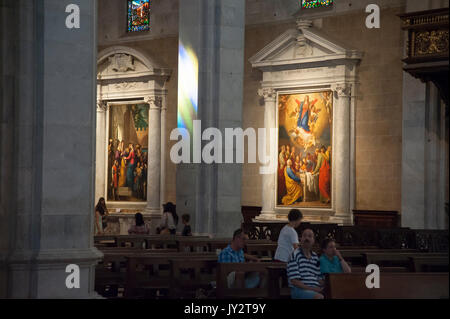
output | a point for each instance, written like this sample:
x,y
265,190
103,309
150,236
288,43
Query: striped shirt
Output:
x,y
307,270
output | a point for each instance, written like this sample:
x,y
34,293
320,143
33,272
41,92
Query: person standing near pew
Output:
x,y
288,238
100,217
303,270
331,260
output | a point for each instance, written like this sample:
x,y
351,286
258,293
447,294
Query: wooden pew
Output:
x,y
429,263
105,241
187,277
238,290
356,256
110,272
151,272
210,244
262,250
278,285
388,258
392,286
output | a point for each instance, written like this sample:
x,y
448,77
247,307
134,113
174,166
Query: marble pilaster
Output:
x,y
153,208
268,205
342,151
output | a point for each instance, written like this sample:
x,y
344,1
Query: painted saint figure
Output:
x,y
281,165
323,169
131,159
293,186
115,180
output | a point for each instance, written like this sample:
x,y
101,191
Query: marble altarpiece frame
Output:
x,y
304,61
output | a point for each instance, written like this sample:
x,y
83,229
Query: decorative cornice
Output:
x,y
269,94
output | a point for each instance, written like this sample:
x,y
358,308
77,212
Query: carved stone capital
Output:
x,y
269,94
102,106
342,89
155,102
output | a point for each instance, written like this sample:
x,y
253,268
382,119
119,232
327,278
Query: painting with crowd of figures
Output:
x,y
305,149
128,152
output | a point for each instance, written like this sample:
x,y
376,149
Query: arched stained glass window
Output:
x,y
138,15
306,4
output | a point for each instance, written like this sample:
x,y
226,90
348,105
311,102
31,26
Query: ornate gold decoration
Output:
x,y
431,42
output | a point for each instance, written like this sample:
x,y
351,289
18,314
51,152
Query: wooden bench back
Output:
x,y
429,263
392,286
189,276
152,271
388,258
238,291
262,250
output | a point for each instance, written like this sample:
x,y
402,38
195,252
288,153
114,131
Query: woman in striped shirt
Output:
x,y
303,270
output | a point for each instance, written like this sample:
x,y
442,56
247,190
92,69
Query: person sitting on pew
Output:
x,y
169,220
234,253
140,228
187,228
331,260
303,270
288,238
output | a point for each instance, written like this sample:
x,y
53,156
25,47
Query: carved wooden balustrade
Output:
x,y
427,47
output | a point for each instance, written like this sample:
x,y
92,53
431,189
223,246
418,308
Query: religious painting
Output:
x,y
306,4
138,15
128,153
305,149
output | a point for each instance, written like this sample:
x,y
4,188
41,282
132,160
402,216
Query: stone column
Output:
x,y
52,220
268,180
341,152
435,160
153,208
163,149
100,158
213,31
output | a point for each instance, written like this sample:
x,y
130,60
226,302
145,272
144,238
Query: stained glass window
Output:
x,y
138,15
316,3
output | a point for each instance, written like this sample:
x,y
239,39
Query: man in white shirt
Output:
x,y
288,238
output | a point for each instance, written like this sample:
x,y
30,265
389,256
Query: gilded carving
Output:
x,y
431,42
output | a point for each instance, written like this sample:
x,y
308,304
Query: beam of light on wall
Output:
x,y
187,88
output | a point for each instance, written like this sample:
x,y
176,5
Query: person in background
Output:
x,y
303,270
140,228
331,260
187,228
234,253
169,220
100,216
288,238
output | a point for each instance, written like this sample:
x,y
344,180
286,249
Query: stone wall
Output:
x,y
378,101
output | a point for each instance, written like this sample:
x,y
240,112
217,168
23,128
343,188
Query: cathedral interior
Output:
x,y
236,112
